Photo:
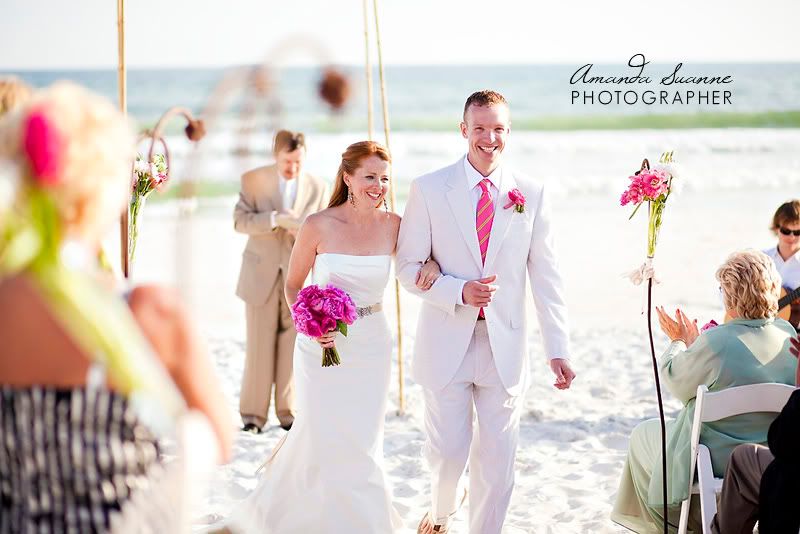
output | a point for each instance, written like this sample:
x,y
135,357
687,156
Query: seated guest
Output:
x,y
786,254
763,484
750,349
84,383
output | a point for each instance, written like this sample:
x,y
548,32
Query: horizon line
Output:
x,y
94,68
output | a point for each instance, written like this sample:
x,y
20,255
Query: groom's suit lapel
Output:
x,y
458,196
502,219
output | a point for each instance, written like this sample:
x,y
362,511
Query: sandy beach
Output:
x,y
573,443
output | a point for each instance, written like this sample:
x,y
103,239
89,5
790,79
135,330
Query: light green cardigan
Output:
x,y
740,352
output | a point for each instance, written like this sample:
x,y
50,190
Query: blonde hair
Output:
x,y
97,156
13,93
750,284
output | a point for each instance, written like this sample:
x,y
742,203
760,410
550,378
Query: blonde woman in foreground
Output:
x,y
77,368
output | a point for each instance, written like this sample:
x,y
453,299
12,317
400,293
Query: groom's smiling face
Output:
x,y
486,129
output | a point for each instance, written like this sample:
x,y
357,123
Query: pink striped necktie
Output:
x,y
483,221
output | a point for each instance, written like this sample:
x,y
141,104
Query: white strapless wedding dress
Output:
x,y
327,475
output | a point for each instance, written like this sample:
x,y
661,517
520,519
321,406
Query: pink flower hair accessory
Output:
x,y
44,147
516,199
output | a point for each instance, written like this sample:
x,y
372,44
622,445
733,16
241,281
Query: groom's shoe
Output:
x,y
252,428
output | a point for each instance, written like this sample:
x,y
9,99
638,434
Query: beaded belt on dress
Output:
x,y
368,310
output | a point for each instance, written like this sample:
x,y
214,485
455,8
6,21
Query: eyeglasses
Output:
x,y
786,231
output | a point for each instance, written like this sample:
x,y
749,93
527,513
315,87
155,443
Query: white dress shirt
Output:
x,y
473,184
288,190
788,269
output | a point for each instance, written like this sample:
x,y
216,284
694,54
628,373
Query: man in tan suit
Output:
x,y
274,201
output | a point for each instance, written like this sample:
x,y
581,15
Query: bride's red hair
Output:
x,y
351,160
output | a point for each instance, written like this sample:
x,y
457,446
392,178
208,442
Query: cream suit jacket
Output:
x,y
268,250
439,222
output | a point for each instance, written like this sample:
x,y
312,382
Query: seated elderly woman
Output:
x,y
86,382
752,348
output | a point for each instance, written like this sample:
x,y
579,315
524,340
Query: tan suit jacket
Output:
x,y
268,249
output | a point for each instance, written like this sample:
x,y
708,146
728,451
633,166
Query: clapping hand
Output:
x,y
680,328
288,220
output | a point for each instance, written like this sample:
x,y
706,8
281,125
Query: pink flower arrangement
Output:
x,y
709,325
647,185
44,147
147,177
516,199
322,310
654,187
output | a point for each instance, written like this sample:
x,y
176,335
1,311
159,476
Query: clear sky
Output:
x,y
54,34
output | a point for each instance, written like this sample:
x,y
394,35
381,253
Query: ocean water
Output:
x,y
432,97
574,149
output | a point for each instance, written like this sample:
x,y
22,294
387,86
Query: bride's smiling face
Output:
x,y
370,182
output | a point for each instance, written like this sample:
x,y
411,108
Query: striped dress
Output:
x,y
70,459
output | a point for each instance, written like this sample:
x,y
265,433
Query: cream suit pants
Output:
x,y
270,346
490,446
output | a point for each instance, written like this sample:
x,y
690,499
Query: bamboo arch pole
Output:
x,y
401,401
122,84
368,69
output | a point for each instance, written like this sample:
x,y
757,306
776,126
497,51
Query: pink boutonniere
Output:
x,y
516,199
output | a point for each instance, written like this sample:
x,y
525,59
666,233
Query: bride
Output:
x,y
327,476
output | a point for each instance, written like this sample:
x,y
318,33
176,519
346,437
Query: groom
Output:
x,y
471,346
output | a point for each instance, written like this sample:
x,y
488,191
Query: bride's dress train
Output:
x,y
327,474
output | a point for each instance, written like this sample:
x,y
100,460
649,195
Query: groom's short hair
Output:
x,y
484,98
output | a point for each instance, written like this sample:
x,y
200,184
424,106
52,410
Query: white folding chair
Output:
x,y
714,406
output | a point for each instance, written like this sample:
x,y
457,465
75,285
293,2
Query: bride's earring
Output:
x,y
385,206
351,198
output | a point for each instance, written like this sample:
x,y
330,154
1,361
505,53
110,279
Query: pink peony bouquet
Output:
x,y
319,311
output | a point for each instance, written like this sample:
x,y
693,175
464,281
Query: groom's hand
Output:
x,y
563,371
478,293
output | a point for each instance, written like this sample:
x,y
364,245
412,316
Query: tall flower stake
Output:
x,y
151,173
147,177
652,186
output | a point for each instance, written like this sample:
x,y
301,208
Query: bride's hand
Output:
x,y
326,341
428,274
